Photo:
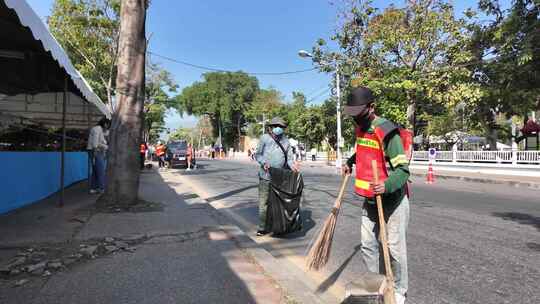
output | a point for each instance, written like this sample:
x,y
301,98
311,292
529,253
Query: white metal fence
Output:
x,y
499,157
463,157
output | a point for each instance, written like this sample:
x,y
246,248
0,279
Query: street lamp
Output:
x,y
306,54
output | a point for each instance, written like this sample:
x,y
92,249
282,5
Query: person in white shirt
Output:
x,y
97,148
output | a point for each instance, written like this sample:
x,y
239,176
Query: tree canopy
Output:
x,y
159,87
89,30
225,97
507,62
412,57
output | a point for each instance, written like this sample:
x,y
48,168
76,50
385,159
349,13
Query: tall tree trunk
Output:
x,y
123,168
491,137
239,132
491,129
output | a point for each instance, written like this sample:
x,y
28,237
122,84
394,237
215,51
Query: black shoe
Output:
x,y
262,232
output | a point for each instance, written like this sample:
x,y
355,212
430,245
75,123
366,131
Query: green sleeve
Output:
x,y
399,164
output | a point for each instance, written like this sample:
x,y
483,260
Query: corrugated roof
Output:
x,y
30,19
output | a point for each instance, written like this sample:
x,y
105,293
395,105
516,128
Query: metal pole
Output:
x,y
89,153
220,146
200,137
263,124
338,118
63,153
219,130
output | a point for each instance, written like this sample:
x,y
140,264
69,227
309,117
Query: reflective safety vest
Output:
x,y
143,148
160,150
369,146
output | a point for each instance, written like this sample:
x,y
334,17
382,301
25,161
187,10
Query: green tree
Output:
x,y
293,111
198,136
446,126
187,134
88,30
267,104
507,57
159,85
225,97
411,57
309,126
203,133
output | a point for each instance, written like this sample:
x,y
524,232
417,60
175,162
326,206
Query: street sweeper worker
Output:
x,y
270,154
379,139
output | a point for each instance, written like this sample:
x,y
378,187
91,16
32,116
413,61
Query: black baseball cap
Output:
x,y
358,100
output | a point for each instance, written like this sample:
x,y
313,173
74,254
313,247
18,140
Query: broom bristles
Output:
x,y
319,253
320,250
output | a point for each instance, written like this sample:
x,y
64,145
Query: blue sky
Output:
x,y
253,36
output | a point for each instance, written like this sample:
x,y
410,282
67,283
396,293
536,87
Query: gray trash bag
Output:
x,y
283,215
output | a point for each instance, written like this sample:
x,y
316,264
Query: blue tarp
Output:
x,y
27,177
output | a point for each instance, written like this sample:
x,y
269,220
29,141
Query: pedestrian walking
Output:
x,y
97,151
313,154
273,151
160,153
142,150
302,153
151,151
189,156
379,139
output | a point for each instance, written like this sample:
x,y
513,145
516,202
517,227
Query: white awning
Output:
x,y
34,67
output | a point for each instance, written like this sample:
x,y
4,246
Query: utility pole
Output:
x,y
338,119
263,123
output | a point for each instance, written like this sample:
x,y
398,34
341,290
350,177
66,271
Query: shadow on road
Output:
x,y
230,193
522,218
334,276
200,171
534,246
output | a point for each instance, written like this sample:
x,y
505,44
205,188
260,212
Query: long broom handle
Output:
x,y
339,199
383,237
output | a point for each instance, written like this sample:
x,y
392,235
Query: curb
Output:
x,y
483,180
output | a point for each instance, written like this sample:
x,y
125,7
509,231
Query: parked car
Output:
x,y
176,154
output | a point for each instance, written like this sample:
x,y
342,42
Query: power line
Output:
x,y
316,91
223,70
318,95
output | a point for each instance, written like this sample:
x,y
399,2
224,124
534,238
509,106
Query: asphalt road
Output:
x,y
467,242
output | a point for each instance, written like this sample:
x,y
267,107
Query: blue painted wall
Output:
x,y
27,177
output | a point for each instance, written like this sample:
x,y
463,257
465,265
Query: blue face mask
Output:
x,y
277,131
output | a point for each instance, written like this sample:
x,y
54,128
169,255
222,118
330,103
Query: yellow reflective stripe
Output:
x,y
398,160
362,184
366,142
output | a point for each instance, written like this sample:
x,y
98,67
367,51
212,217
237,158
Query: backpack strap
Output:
x,y
384,129
286,164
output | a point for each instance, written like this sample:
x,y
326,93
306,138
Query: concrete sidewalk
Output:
x,y
177,249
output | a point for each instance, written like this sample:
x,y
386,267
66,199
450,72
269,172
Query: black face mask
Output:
x,y
362,119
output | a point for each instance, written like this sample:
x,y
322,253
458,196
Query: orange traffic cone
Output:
x,y
430,175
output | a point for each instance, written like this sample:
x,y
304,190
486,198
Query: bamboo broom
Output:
x,y
319,253
389,295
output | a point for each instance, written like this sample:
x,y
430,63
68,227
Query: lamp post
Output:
x,y
305,54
